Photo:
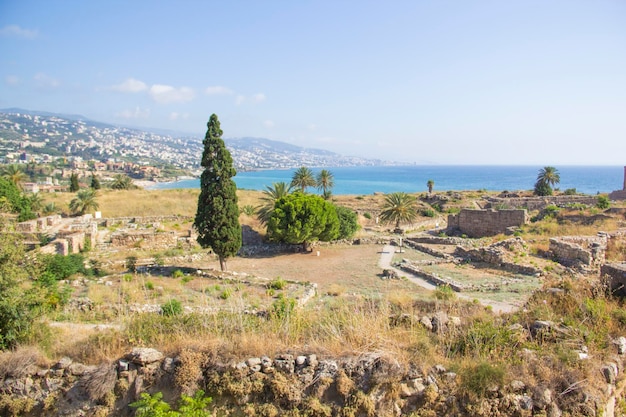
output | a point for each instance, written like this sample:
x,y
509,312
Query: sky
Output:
x,y
528,82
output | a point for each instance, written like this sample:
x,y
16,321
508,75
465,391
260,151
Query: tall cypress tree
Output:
x,y
217,217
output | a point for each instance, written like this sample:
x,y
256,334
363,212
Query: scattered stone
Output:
x,y
144,356
517,385
609,371
620,342
63,363
427,322
440,321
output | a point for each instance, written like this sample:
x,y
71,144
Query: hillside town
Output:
x,y
88,148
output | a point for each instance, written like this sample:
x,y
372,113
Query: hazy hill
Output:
x,y
40,135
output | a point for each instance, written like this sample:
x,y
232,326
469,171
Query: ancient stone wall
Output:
x,y
584,252
539,203
614,275
618,195
479,223
144,238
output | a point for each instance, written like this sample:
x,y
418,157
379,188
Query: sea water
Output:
x,y
413,179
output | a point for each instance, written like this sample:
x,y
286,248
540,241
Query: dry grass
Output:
x,y
21,362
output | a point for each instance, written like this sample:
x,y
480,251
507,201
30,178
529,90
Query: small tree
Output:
x,y
122,182
303,218
547,178
74,186
430,184
217,217
303,178
84,202
398,208
95,183
603,202
325,181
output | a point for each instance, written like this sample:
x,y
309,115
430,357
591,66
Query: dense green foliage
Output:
x,y
270,195
20,302
302,178
12,200
603,202
172,307
217,217
547,178
154,406
348,222
398,208
303,218
63,267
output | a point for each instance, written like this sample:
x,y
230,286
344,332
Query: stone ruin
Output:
x,y
581,252
480,223
619,194
614,275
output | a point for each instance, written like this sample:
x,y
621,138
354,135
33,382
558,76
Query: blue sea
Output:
x,y
412,179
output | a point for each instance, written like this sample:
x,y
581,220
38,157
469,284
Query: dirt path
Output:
x,y
386,257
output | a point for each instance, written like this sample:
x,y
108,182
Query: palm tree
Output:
x,y
399,207
270,195
122,182
84,201
303,178
546,179
430,184
325,182
15,174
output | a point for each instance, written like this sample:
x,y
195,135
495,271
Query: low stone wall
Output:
x,y
618,195
583,252
412,244
432,278
614,275
539,203
479,223
112,221
144,238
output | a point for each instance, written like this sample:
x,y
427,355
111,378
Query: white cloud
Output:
x,y
256,98
164,94
130,85
11,80
46,82
15,30
268,123
218,90
175,116
312,127
136,113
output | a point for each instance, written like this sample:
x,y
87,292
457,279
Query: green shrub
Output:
x,y
428,212
154,406
226,294
131,263
478,379
367,215
570,191
277,284
177,274
127,277
282,307
172,308
348,222
603,202
444,293
62,267
248,210
186,279
149,285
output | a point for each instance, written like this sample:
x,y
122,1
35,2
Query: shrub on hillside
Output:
x,y
172,308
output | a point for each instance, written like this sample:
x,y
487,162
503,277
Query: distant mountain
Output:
x,y
40,136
